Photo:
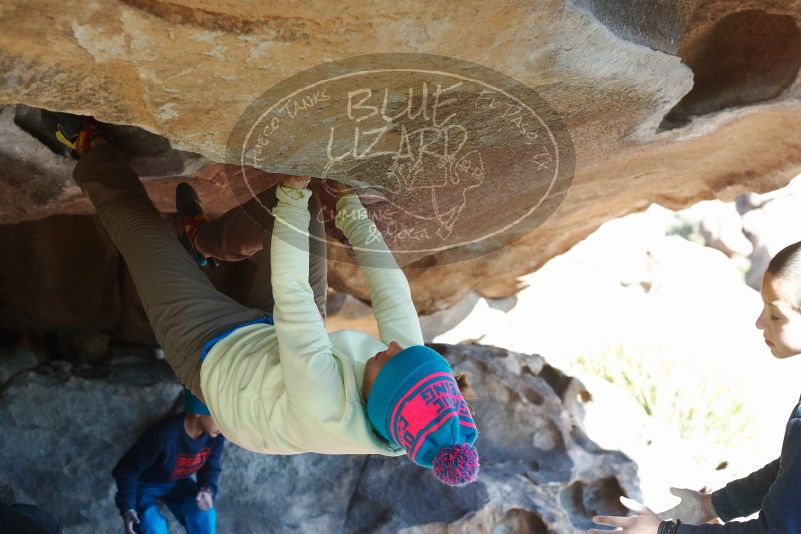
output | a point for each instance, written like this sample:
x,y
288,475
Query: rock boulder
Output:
x,y
539,472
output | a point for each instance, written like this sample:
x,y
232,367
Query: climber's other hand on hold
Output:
x,y
296,182
367,197
338,189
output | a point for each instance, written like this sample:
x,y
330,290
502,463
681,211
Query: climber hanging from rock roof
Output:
x,y
274,380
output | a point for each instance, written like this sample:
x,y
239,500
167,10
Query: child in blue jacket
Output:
x,y
159,467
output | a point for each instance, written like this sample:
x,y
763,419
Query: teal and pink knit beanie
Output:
x,y
416,404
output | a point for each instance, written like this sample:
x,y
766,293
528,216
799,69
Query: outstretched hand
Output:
x,y
695,507
645,522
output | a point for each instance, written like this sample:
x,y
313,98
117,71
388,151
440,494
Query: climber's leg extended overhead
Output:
x,y
184,308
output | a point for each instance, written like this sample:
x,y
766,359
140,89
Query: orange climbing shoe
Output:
x,y
74,132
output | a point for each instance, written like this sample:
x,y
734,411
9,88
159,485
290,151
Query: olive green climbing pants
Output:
x,y
183,307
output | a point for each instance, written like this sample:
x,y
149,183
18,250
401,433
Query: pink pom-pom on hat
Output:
x,y
456,465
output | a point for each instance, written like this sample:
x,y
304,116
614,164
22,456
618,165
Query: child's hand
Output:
x,y
129,519
296,182
645,522
695,507
204,500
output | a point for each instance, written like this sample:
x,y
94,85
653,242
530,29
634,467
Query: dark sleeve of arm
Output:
x,y
780,509
743,497
209,474
126,473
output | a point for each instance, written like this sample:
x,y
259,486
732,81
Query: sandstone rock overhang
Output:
x,y
668,102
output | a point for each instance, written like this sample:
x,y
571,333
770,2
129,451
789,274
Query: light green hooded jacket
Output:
x,y
293,388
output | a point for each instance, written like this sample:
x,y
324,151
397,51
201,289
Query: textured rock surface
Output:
x,y
539,471
771,222
669,102
16,361
74,283
69,277
36,182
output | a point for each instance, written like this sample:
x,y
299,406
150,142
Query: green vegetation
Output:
x,y
681,397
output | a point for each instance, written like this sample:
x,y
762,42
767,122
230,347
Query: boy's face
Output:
x,y
780,320
209,426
